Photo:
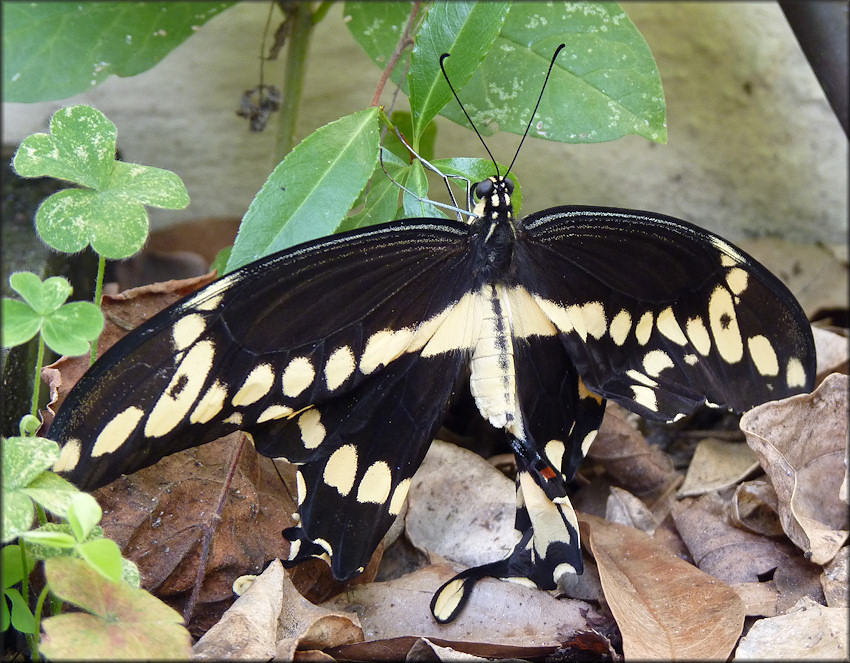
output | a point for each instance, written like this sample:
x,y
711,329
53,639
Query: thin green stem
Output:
x,y
36,387
293,81
39,606
98,292
32,638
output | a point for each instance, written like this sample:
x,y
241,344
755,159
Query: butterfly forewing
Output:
x,y
662,316
262,344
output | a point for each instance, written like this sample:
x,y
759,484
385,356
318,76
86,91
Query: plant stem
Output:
x,y
32,638
37,381
98,292
39,606
293,81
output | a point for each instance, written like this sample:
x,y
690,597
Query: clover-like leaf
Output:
x,y
67,328
52,492
110,212
83,514
123,619
104,556
24,458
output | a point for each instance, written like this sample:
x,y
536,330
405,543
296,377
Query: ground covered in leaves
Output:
x,y
701,541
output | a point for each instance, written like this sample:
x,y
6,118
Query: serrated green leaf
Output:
x,y
20,322
71,219
52,50
124,619
148,185
104,556
80,148
464,30
21,617
70,329
382,199
311,190
52,492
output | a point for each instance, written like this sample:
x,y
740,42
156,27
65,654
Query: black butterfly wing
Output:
x,y
261,344
662,316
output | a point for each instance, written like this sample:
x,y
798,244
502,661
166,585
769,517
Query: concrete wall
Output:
x,y
753,149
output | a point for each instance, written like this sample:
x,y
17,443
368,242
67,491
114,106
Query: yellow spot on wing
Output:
x,y
182,391
297,376
274,412
736,279
383,347
187,330
656,361
68,457
763,354
256,385
339,367
312,429
116,432
341,469
376,484
644,328
399,495
795,374
724,325
620,327
210,404
554,451
698,335
668,326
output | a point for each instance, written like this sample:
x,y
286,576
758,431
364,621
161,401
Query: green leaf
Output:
x,y
42,546
71,219
464,30
311,190
124,619
13,569
130,573
70,330
604,85
110,213
24,458
80,148
20,322
382,198
104,556
52,492
83,514
476,170
49,538
148,185
415,201
44,297
67,329
53,50
21,617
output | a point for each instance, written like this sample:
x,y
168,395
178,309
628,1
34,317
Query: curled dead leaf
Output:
x,y
754,506
801,443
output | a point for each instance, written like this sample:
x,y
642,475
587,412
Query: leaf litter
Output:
x,y
682,558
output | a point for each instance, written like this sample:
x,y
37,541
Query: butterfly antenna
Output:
x,y
471,123
537,105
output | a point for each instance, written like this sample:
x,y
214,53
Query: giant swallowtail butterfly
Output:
x,y
341,354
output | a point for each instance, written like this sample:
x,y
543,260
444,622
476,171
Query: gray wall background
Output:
x,y
754,150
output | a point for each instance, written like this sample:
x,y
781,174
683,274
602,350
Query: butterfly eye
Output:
x,y
509,186
483,189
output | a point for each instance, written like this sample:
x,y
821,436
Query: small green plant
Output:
x,y
81,565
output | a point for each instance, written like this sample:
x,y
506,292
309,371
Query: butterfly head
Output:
x,y
494,199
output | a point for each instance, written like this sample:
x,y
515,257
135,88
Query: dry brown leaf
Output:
x,y
498,613
635,465
248,630
810,631
157,516
760,598
834,580
665,608
801,443
272,619
717,464
797,578
626,509
754,506
726,552
461,507
831,350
